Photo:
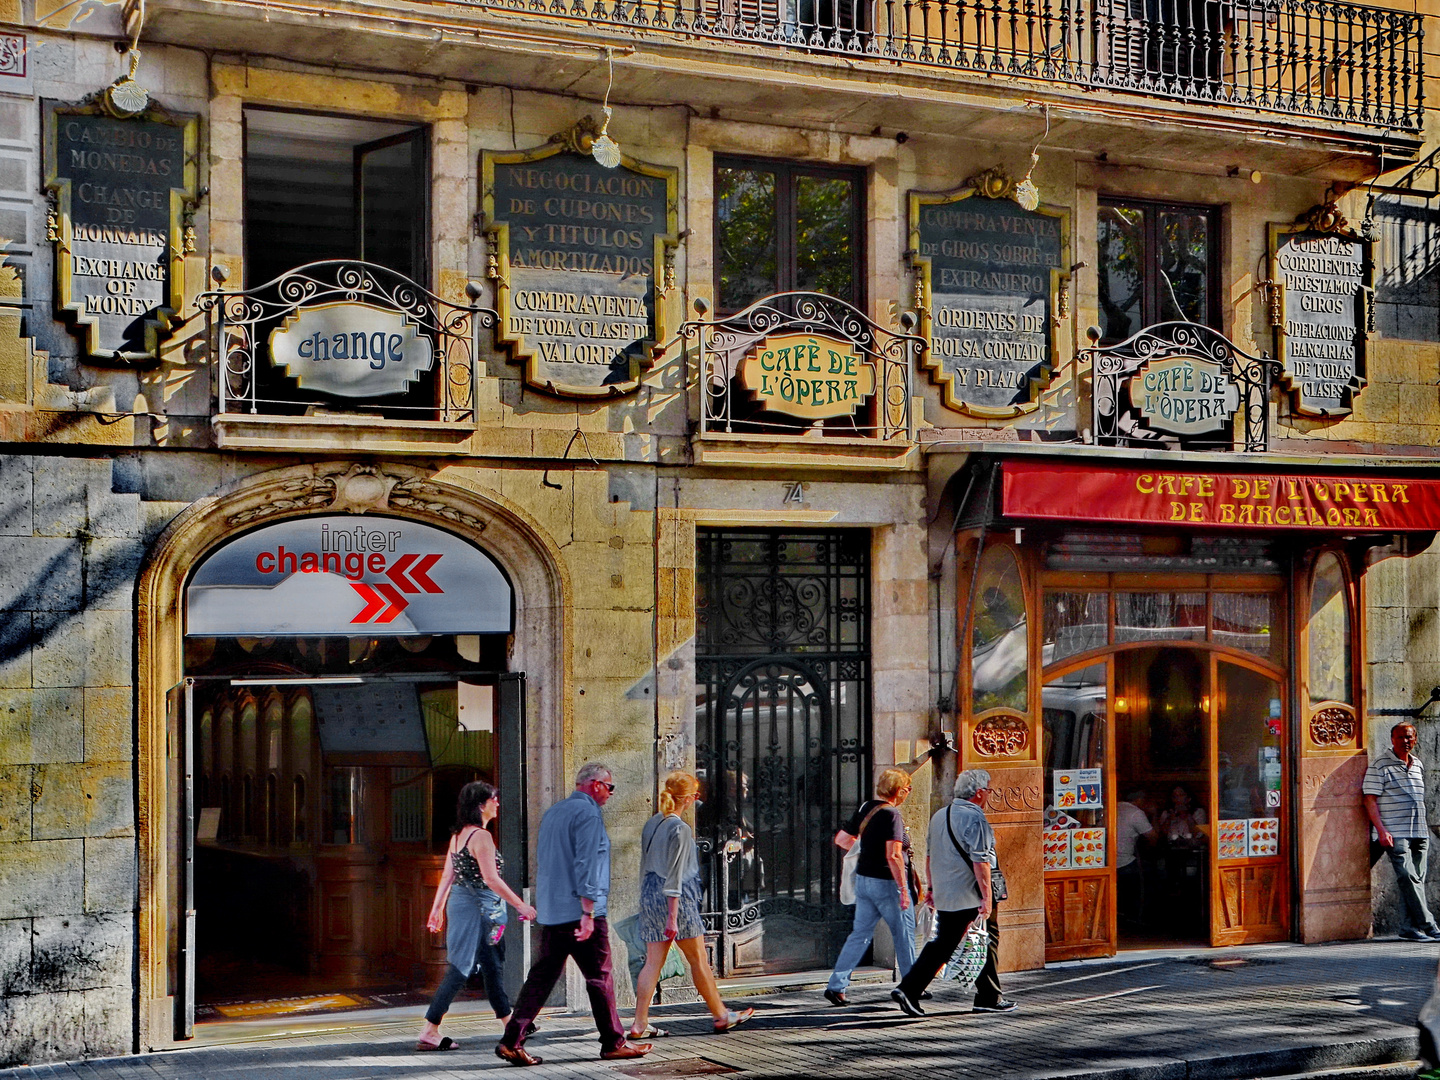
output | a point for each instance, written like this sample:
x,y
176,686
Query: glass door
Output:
x,y
1078,840
1248,865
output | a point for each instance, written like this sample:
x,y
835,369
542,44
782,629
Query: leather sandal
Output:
x,y
445,1043
626,1050
733,1020
516,1055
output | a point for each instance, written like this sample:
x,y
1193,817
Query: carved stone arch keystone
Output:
x,y
448,499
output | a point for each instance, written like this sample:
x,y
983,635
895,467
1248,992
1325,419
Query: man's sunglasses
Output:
x,y
607,786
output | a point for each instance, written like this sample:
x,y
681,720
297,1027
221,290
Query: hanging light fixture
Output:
x,y
605,150
1026,193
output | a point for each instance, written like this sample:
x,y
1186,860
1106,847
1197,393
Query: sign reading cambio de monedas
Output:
x,y
351,350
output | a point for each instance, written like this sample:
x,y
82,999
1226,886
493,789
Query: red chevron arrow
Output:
x,y
398,603
373,602
396,573
420,573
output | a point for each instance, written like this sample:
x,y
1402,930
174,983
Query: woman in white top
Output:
x,y
670,907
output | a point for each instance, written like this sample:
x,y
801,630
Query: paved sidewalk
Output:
x,y
1237,1013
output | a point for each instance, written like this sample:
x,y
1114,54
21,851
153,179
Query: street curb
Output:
x,y
1279,1064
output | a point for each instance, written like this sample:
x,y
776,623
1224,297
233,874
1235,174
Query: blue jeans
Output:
x,y
875,899
1409,857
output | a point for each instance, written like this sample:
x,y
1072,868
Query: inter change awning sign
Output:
x,y
341,574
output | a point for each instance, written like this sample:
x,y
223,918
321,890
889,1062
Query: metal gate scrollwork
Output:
x,y
783,733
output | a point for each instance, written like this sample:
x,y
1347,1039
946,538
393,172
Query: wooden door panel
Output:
x,y
1078,916
1252,904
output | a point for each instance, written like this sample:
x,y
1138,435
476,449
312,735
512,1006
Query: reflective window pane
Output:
x,y
1159,616
825,236
1249,729
1074,623
1121,271
1184,270
1074,709
1243,621
1329,634
745,236
998,639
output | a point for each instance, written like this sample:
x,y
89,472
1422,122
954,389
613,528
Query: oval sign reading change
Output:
x,y
351,350
340,574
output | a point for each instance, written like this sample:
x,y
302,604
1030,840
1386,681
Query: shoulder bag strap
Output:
x,y
866,820
951,830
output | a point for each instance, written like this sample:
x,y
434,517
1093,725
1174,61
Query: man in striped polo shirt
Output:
x,y
1394,790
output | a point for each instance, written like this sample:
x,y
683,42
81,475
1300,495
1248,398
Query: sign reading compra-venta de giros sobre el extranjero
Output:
x,y
581,258
989,273
1322,279
119,190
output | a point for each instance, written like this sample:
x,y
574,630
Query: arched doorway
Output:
x,y
246,705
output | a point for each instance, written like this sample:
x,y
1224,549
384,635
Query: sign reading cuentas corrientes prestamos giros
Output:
x,y
582,260
1323,274
988,277
120,192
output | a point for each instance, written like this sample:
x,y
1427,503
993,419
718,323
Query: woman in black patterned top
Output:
x,y
470,907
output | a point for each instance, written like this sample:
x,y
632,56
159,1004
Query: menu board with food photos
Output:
x,y
1077,789
1056,843
1264,836
1231,839
1087,849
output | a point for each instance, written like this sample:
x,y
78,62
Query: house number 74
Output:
x,y
795,493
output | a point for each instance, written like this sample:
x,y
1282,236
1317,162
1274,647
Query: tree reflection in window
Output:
x,y
998,660
1074,622
1329,633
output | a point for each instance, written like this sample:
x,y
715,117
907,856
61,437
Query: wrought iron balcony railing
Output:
x,y
362,339
1333,61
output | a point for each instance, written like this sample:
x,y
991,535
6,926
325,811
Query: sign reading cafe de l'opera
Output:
x,y
120,190
582,257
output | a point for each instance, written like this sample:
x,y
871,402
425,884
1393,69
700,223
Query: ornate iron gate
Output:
x,y
782,659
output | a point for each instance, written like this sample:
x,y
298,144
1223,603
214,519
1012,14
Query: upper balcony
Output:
x,y
1334,70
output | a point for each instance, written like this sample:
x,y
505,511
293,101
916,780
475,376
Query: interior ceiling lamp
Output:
x,y
1026,193
605,150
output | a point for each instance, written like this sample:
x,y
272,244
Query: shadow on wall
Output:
x,y
1407,268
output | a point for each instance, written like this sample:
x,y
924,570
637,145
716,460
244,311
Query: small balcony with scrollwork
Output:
x,y
801,378
345,352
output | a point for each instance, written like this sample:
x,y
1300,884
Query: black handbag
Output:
x,y
998,889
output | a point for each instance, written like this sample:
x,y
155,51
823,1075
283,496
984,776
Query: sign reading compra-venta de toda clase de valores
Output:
x,y
989,272
580,257
119,191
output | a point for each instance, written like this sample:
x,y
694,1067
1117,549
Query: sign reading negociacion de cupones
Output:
x,y
582,260
988,279
120,192
1322,275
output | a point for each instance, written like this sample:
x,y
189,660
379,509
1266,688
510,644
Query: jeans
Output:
x,y
950,927
875,899
489,958
592,956
1409,857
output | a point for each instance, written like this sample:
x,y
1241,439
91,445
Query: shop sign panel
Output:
x,y
1068,492
1321,275
120,195
990,284
342,574
808,376
1184,395
351,350
583,259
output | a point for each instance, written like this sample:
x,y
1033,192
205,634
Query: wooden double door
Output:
x,y
1167,784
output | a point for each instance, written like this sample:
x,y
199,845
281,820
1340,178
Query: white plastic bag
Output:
x,y
969,958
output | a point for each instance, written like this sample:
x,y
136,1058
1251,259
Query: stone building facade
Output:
x,y
666,560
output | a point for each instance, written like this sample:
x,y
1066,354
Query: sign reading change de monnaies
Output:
x,y
120,190
581,258
1322,280
989,273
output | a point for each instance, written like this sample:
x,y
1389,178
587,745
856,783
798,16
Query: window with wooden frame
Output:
x,y
787,227
1329,636
1156,262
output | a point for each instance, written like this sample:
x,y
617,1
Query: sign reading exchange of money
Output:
x,y
989,271
120,190
1322,279
581,255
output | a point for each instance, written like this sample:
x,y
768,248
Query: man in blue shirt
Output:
x,y
572,884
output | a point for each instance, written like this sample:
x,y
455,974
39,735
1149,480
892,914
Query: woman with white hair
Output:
x,y
958,868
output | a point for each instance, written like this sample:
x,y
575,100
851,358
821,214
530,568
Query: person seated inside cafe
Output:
x,y
1181,822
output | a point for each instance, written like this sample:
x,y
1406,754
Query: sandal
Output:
x,y
446,1043
733,1020
650,1032
517,1055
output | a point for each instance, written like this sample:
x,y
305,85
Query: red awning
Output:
x,y
1171,497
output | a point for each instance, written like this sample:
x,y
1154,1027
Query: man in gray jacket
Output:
x,y
961,847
